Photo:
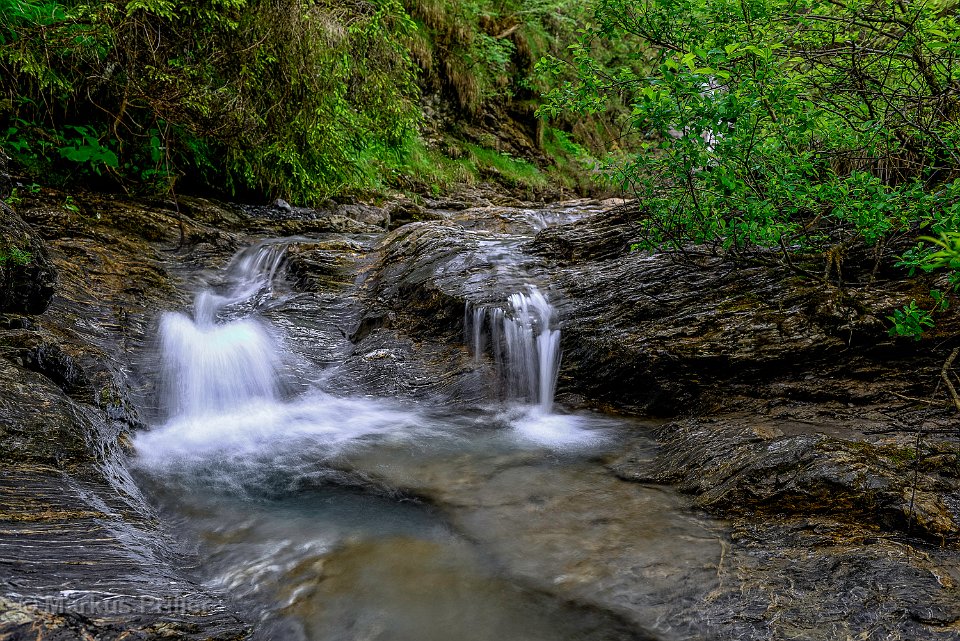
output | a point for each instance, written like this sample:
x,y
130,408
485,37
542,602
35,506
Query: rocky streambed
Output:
x,y
772,465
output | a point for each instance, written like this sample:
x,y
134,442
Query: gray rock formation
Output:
x,y
27,276
792,414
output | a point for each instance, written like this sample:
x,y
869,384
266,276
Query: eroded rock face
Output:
x,y
27,276
817,578
607,234
674,334
85,557
652,333
804,463
792,422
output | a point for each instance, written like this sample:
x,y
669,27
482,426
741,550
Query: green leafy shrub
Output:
x,y
910,321
929,255
15,256
767,124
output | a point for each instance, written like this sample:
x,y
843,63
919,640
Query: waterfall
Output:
x,y
211,368
220,358
524,343
222,367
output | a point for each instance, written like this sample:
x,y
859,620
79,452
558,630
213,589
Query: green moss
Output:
x,y
14,256
898,455
573,166
511,171
420,169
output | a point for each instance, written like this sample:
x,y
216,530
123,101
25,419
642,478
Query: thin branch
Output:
x,y
945,375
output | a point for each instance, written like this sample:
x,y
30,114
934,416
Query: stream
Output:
x,y
325,512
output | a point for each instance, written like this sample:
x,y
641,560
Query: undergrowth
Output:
x,y
297,99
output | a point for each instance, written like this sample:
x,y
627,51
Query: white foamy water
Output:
x,y
221,369
271,429
532,426
560,431
210,368
524,343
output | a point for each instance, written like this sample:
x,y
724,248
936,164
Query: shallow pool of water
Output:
x,y
429,527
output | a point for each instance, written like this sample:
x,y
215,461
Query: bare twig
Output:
x,y
916,477
945,375
917,400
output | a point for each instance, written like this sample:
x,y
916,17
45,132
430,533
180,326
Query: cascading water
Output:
x,y
318,549
221,368
210,367
325,550
524,343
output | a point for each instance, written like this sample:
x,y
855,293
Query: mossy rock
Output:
x,y
27,276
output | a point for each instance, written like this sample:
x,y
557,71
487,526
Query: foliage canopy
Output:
x,y
779,123
806,127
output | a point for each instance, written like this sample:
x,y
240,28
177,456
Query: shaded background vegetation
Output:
x,y
294,98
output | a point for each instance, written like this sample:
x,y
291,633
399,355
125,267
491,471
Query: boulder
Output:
x,y
367,214
27,276
403,211
801,462
86,556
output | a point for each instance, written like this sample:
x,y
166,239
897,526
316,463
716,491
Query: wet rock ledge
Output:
x,y
82,554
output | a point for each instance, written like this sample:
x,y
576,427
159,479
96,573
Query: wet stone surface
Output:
x,y
807,427
793,419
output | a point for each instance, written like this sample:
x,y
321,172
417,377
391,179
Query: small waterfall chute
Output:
x,y
210,368
221,368
523,340
247,283
211,364
525,344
